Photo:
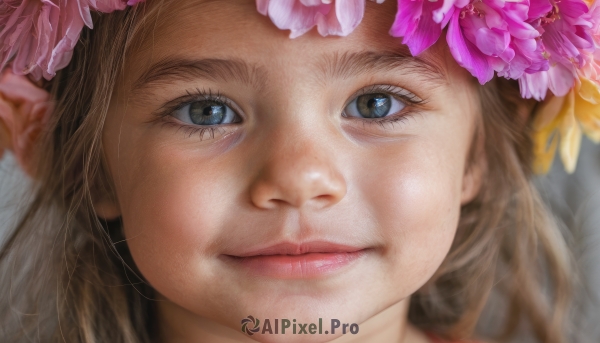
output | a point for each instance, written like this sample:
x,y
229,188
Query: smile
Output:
x,y
292,261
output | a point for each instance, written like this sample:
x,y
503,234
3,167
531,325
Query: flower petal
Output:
x,y
349,14
545,144
262,6
294,16
534,85
588,90
560,79
570,134
466,54
588,112
341,21
538,8
414,22
443,13
40,35
407,18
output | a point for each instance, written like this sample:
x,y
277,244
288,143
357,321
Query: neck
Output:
x,y
177,325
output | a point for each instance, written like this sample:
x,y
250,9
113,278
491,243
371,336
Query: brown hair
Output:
x,y
67,276
506,237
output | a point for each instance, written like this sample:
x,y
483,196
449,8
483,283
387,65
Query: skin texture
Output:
x,y
293,168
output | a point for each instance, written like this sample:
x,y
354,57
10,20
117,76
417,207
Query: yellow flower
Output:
x,y
560,122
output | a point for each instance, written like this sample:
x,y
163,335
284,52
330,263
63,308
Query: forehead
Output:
x,y
240,19
205,29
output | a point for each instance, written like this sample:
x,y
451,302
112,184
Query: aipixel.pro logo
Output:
x,y
251,325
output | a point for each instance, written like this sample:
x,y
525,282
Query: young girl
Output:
x,y
202,177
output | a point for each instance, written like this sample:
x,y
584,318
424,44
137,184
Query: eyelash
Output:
x,y
166,111
409,99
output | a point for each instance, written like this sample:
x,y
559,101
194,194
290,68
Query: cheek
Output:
x,y
415,196
172,209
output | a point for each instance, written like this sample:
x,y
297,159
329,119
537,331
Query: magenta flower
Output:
x,y
488,35
420,22
466,54
591,67
484,35
40,34
332,17
566,34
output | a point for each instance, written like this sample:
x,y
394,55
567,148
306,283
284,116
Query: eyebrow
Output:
x,y
345,65
335,65
174,69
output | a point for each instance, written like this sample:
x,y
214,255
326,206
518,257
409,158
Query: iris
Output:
x,y
374,105
207,112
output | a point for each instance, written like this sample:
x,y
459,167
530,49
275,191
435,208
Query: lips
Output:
x,y
287,248
289,260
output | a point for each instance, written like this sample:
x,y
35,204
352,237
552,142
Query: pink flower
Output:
x,y
466,54
534,85
484,36
40,34
490,35
420,22
332,17
591,67
24,112
565,30
414,23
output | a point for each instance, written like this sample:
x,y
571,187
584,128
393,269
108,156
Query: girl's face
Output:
x,y
226,137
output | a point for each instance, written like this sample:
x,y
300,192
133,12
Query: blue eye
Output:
x,y
373,105
206,112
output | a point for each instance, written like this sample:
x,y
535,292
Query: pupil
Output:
x,y
374,105
207,113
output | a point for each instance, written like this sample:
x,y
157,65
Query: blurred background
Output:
x,y
575,199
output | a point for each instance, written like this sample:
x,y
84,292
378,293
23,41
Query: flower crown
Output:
x,y
544,44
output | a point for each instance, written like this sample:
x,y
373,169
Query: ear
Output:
x,y
107,209
472,181
104,197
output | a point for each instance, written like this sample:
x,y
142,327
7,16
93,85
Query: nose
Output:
x,y
299,174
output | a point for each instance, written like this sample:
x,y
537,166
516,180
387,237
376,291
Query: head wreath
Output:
x,y
549,46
